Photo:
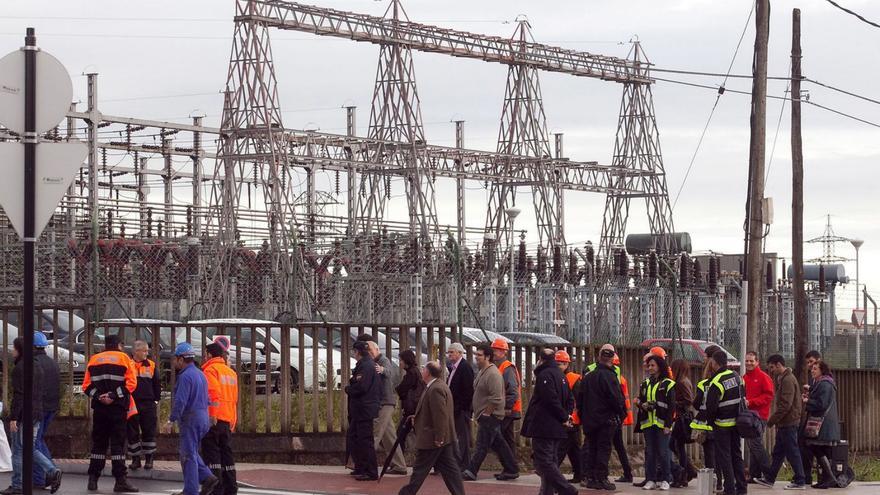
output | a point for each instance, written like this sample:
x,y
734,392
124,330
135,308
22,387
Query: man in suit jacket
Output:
x,y
435,435
461,383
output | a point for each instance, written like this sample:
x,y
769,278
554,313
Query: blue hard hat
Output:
x,y
40,340
184,349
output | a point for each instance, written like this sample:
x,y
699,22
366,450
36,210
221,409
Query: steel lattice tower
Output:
x,y
637,155
523,132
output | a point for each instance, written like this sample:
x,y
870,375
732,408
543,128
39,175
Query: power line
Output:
x,y
854,95
850,12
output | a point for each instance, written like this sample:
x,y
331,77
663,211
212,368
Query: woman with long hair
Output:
x,y
684,398
410,388
822,430
655,404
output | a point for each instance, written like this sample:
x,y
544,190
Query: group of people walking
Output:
x,y
581,416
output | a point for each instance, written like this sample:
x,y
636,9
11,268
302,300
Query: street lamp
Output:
x,y
512,213
857,243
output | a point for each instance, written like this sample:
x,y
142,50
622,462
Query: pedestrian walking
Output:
x,y
488,404
822,430
384,429
51,402
601,407
759,396
810,358
222,413
364,391
655,404
617,441
410,388
512,390
545,423
684,471
435,435
109,381
724,396
17,419
785,418
142,426
190,411
461,384
571,446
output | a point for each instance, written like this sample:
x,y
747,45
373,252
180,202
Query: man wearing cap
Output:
x,y
461,383
571,446
512,390
488,403
364,391
546,421
602,409
190,411
142,426
223,400
51,400
109,381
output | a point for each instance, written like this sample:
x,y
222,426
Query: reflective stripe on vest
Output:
x,y
700,424
517,406
716,382
651,396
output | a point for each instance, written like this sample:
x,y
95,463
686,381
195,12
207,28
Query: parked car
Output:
x,y
252,334
52,327
475,336
534,338
77,365
694,351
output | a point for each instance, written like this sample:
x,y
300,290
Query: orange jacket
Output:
x,y
573,378
222,391
624,387
517,405
110,372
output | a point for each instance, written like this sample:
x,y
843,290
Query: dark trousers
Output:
x,y
806,457
684,467
571,447
757,455
507,432
489,437
40,446
463,435
657,464
217,454
728,456
360,444
544,452
709,457
142,429
786,447
108,430
443,459
620,448
597,451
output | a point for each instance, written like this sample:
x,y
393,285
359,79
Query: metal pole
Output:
x,y
27,329
198,153
92,133
512,213
459,183
351,172
857,243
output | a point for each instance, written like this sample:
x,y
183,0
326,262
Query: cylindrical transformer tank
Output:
x,y
644,243
833,273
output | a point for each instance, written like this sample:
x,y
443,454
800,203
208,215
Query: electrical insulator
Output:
x,y
521,257
768,276
624,264
572,267
821,278
149,222
698,273
684,278
337,182
589,254
784,274
652,265
557,264
387,187
103,159
713,275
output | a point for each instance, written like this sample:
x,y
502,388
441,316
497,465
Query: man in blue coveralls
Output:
x,y
190,411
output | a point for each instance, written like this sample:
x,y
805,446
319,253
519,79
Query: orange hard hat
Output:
x,y
562,357
500,344
616,361
658,351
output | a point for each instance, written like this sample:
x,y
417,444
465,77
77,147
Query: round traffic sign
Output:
x,y
54,91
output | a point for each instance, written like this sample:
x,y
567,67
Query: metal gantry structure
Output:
x,y
254,240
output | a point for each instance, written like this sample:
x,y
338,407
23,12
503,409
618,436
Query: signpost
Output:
x,y
35,93
858,321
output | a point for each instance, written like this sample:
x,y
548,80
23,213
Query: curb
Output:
x,y
137,474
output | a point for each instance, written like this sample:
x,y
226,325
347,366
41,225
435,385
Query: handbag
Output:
x,y
814,423
748,423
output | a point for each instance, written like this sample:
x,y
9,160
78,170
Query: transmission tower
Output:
x,y
639,162
523,132
828,239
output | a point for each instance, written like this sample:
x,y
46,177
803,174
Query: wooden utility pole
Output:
x,y
797,201
755,234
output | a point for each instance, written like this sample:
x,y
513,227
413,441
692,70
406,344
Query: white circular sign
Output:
x,y
54,91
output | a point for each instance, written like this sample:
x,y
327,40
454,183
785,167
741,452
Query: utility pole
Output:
x,y
801,338
754,234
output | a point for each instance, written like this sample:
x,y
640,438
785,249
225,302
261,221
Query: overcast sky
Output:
x,y
165,59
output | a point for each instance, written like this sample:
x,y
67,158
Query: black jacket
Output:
x,y
149,387
364,391
17,412
410,390
723,402
51,381
601,402
547,412
462,387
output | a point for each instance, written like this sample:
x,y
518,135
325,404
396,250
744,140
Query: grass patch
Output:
x,y
866,467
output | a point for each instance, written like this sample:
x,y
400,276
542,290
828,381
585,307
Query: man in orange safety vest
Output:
x,y
222,404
